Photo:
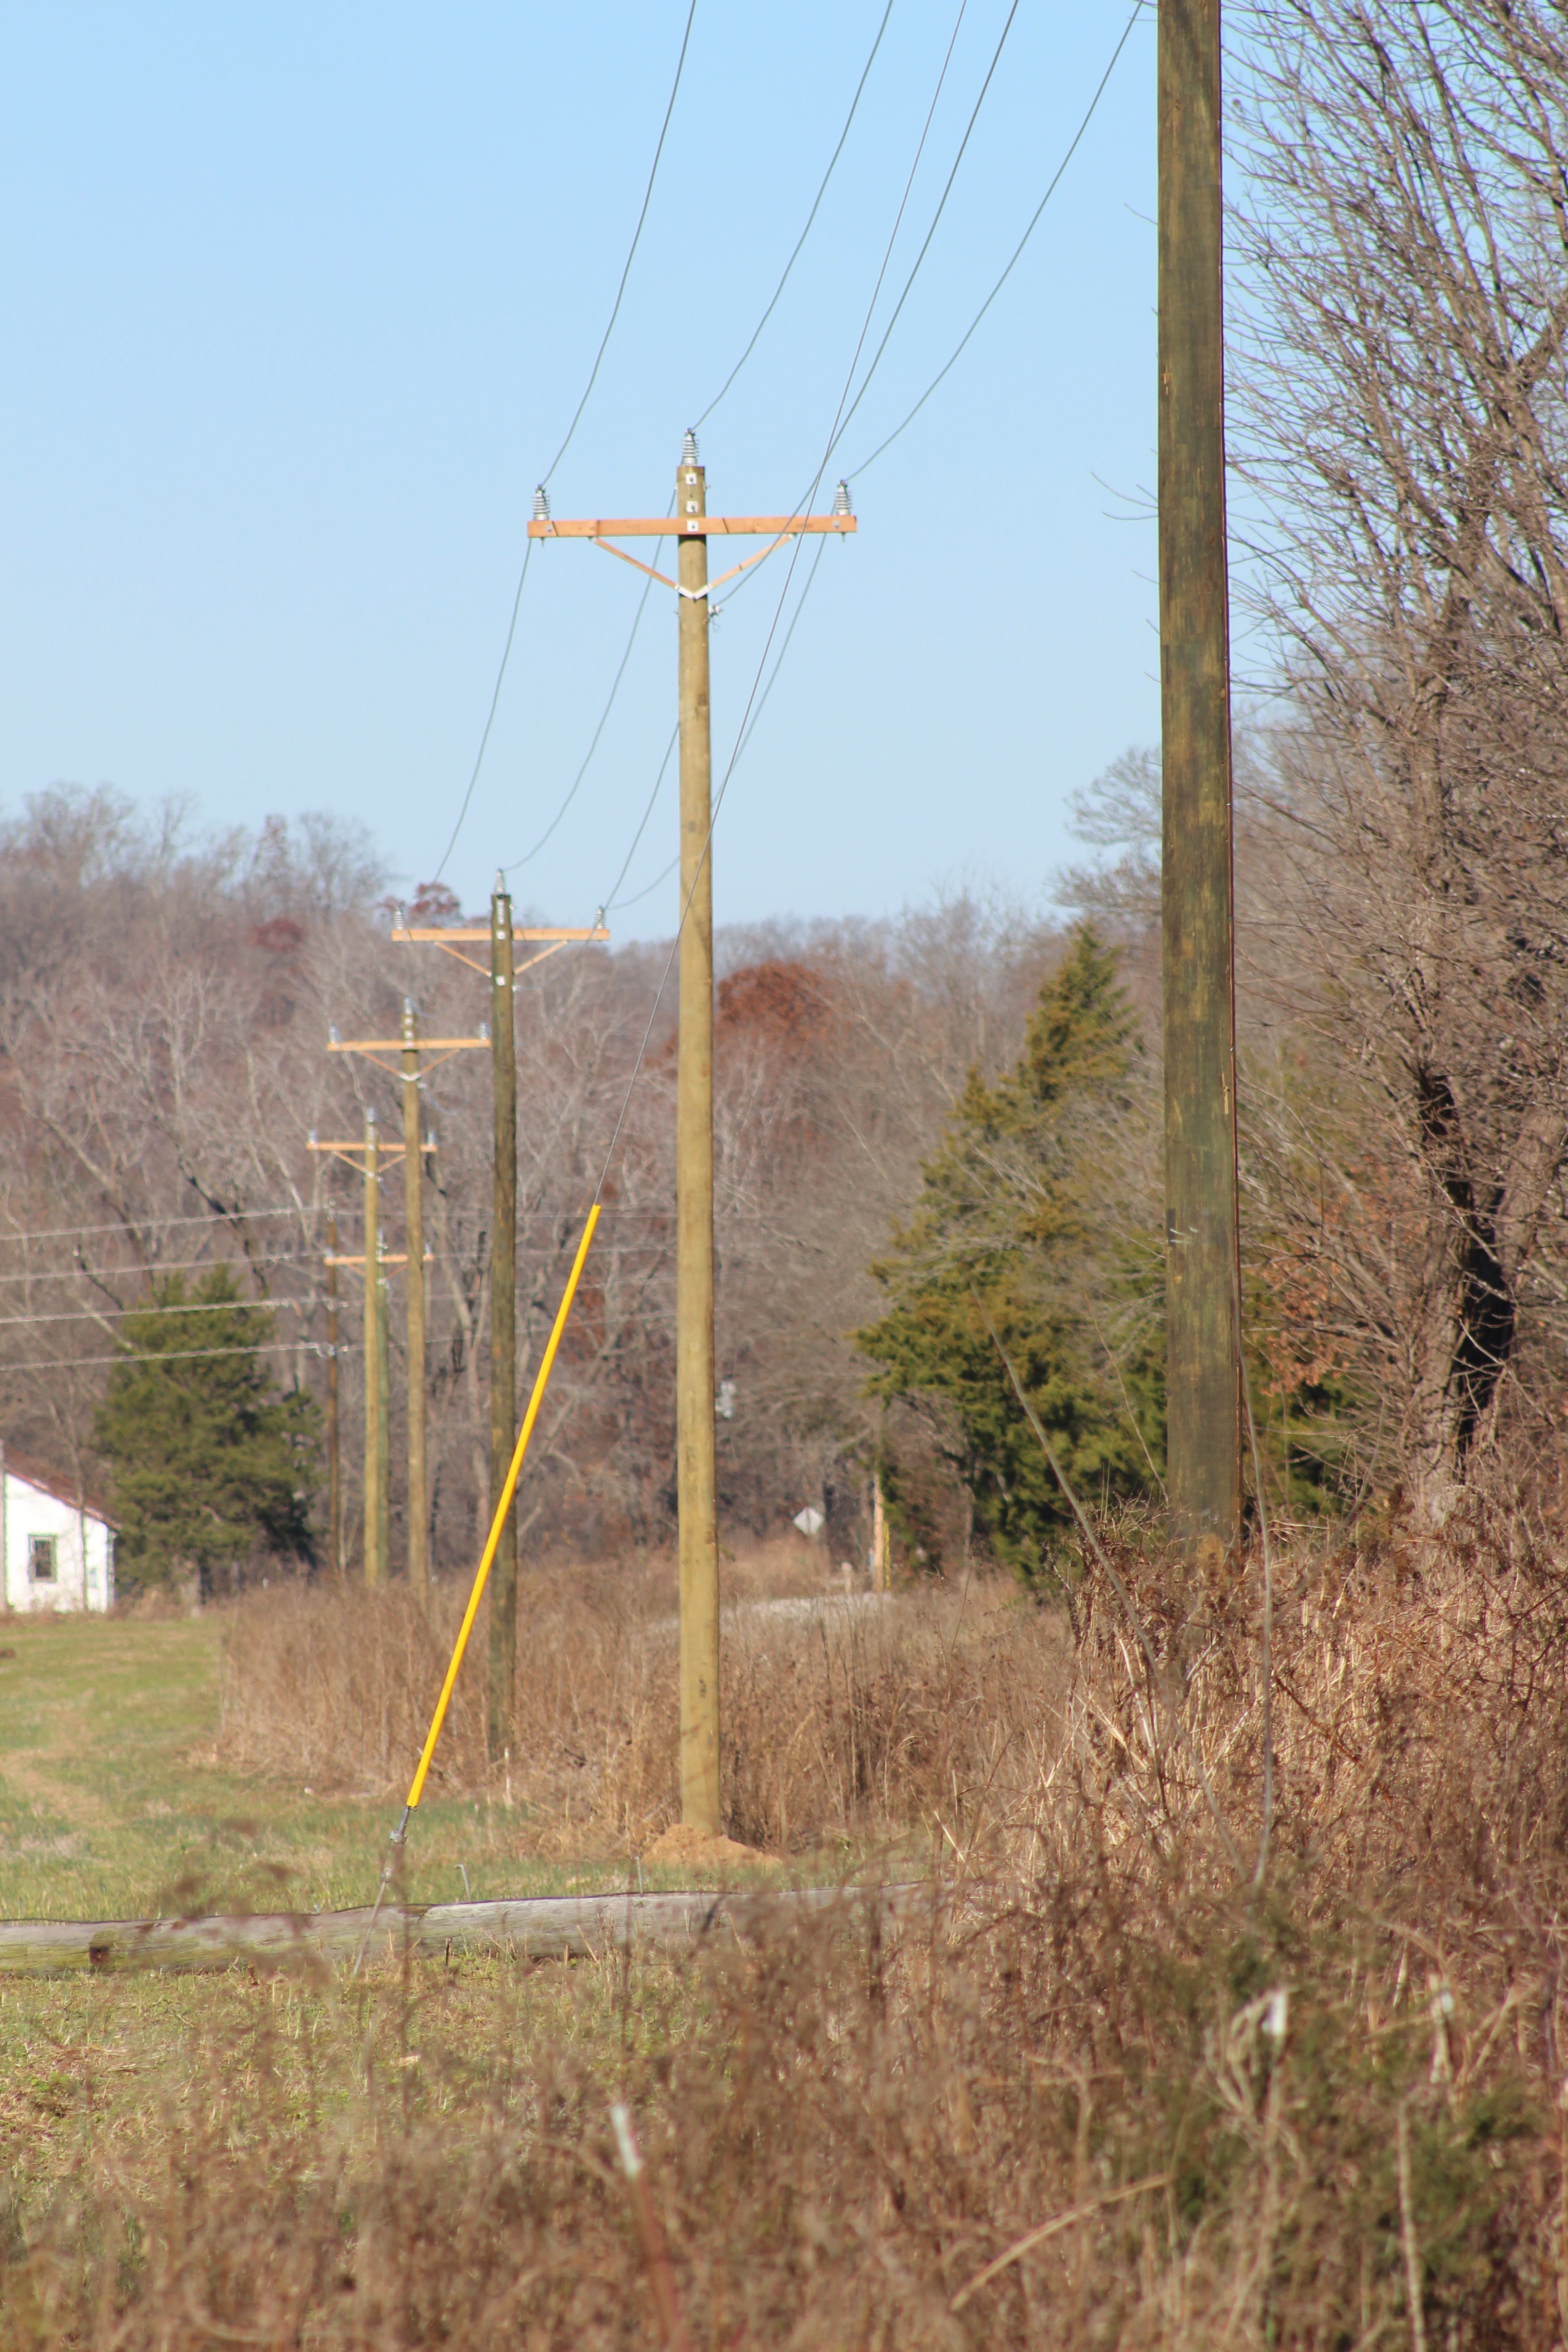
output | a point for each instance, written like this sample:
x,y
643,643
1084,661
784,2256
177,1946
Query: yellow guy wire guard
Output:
x,y
482,1574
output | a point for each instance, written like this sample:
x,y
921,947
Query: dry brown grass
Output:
x,y
1251,2113
842,1718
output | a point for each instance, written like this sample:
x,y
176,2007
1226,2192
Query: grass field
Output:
x,y
112,1805
1141,2079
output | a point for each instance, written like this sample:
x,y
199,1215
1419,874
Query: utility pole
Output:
x,y
335,1464
501,1035
374,1398
503,1318
1202,1342
692,527
383,1406
698,1525
414,1209
413,1061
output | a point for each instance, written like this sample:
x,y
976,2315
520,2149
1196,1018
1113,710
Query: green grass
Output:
x,y
113,1807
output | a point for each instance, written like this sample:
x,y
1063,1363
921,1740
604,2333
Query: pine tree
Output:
x,y
207,1459
1006,1226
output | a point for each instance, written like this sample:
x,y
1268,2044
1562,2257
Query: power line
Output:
x,y
789,633
941,207
164,1266
187,1307
648,890
948,366
223,1217
631,254
613,901
805,232
734,372
658,780
161,1356
604,719
576,419
784,593
1017,250
490,715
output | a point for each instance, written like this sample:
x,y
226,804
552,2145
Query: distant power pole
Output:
x,y
412,1063
335,1461
503,1318
692,526
413,1208
1203,1346
374,1396
452,939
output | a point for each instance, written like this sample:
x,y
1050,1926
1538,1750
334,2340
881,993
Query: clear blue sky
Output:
x,y
298,302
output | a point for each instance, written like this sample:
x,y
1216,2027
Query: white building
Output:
x,y
59,1552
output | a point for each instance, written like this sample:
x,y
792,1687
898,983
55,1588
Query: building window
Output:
x,y
41,1562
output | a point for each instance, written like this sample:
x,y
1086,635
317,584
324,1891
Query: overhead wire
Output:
x,y
948,364
805,232
571,430
631,254
707,413
778,611
182,1307
164,1266
925,247
668,753
160,1356
528,854
613,900
125,1225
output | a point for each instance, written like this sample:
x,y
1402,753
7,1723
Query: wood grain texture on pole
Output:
x,y
1203,1351
413,1208
375,1564
699,1533
334,1431
503,1321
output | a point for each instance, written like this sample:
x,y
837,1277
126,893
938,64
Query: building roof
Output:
x,y
54,1483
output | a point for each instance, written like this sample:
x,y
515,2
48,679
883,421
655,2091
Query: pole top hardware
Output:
x,y
605,530
451,938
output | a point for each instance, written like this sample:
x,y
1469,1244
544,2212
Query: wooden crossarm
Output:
x,y
692,527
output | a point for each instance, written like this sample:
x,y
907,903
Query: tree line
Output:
x,y
942,1127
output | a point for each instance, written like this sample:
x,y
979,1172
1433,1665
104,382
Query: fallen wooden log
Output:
x,y
546,1927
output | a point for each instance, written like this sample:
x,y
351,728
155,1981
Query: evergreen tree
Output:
x,y
1006,1222
206,1457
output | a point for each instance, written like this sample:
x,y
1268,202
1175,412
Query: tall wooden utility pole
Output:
x,y
374,1403
335,1461
413,1207
692,526
1203,1344
503,1318
694,1390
